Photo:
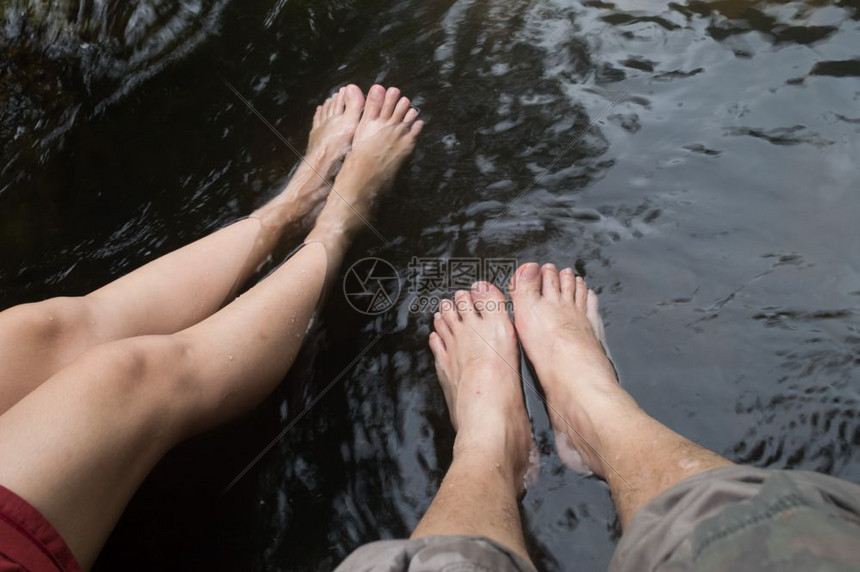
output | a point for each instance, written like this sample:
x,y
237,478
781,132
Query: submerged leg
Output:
x,y
638,456
79,445
180,288
477,361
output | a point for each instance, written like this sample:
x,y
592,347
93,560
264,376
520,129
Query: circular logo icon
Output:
x,y
371,286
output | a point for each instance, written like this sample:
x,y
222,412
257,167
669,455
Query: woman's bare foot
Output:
x,y
383,140
477,361
385,137
334,125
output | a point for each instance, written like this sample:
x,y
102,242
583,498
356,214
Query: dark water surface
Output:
x,y
714,204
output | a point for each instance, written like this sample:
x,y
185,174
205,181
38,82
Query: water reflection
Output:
x,y
68,61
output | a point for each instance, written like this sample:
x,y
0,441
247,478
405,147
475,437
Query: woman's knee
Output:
x,y
145,374
57,324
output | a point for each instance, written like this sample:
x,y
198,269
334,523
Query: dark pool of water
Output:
x,y
714,202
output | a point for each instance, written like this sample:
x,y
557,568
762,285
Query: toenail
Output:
x,y
530,270
480,286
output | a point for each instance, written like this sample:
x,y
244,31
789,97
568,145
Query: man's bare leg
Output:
x,y
638,456
79,445
180,288
477,361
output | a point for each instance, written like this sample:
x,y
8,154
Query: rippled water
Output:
x,y
706,183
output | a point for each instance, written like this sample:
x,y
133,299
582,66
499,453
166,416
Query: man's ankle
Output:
x,y
489,462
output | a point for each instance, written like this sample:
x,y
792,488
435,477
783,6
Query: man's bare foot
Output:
x,y
556,324
477,361
590,412
383,140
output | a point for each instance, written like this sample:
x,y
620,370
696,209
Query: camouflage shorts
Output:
x,y
435,554
729,519
741,518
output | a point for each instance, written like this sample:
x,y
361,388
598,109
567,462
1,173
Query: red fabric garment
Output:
x,y
28,542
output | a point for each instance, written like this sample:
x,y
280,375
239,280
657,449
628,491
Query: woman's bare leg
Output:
x,y
477,361
637,455
79,445
180,288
